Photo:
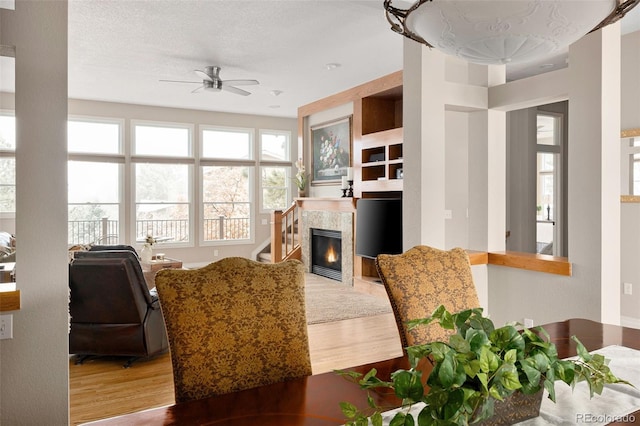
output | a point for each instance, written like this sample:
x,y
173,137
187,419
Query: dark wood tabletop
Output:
x,y
314,400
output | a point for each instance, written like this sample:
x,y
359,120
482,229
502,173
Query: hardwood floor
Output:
x,y
102,388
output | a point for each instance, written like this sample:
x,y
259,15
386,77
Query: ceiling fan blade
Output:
x,y
180,81
203,75
197,89
235,90
241,82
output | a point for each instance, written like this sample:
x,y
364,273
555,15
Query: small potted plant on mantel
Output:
x,y
482,375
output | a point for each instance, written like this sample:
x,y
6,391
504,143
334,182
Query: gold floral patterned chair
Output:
x,y
234,324
420,280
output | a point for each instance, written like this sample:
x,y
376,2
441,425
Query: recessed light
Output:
x,y
332,66
275,92
544,66
274,106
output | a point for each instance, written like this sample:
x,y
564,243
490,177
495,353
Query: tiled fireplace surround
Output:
x,y
334,215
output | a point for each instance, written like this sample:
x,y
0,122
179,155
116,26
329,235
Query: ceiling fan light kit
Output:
x,y
503,31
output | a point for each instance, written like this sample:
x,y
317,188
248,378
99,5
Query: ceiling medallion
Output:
x,y
503,31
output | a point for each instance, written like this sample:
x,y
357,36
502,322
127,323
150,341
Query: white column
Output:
x,y
34,364
594,170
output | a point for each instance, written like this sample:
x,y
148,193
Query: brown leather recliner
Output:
x,y
113,313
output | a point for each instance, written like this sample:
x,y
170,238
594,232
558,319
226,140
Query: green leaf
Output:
x,y
506,338
509,377
408,384
477,339
582,351
471,368
459,344
488,360
401,419
454,405
511,356
484,381
533,375
446,371
348,409
376,419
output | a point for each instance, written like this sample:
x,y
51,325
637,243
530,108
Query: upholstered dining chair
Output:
x,y
421,279
234,324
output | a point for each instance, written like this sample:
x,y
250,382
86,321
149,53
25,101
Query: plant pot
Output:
x,y
515,408
302,193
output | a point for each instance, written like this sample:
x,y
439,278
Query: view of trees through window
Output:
x,y
160,168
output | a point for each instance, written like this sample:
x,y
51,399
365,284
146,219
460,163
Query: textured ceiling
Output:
x,y
120,49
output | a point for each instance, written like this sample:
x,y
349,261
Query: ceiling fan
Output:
x,y
211,81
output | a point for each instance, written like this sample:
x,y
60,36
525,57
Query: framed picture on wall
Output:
x,y
331,147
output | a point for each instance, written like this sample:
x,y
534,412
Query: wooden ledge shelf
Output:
x,y
9,300
529,261
532,262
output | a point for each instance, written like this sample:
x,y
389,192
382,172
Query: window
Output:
x,y
159,140
548,224
226,195
275,169
230,144
163,207
7,164
94,175
163,181
94,202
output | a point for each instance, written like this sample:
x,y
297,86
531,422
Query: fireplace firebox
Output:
x,y
326,253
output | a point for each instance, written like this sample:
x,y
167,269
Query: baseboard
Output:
x,y
630,322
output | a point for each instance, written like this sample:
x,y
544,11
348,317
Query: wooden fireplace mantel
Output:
x,y
346,204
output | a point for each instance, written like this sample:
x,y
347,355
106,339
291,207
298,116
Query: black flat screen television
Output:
x,y
378,226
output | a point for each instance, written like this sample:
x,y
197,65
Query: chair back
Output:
x,y
234,324
108,287
420,280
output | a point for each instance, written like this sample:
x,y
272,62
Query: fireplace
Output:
x,y
326,253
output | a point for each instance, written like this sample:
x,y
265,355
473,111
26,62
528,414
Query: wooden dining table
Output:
x,y
314,400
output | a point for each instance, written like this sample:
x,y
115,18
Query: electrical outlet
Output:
x,y
6,326
264,221
528,323
628,288
448,214
215,253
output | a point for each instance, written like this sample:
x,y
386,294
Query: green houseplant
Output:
x,y
477,367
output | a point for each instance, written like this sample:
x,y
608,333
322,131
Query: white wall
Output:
x,y
592,292
34,364
630,96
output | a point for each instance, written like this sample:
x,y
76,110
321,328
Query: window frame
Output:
x,y
118,158
189,160
286,163
11,154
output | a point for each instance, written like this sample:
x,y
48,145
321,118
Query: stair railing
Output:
x,y
285,234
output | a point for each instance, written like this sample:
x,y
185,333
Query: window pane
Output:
x,y
162,201
7,132
94,209
546,130
274,187
93,137
274,146
226,203
636,174
162,141
91,182
93,224
226,144
7,185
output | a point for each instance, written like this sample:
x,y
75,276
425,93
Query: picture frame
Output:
x,y
331,150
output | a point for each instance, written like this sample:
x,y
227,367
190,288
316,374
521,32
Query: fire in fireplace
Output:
x,y
326,253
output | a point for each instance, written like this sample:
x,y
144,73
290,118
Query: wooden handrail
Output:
x,y
285,234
